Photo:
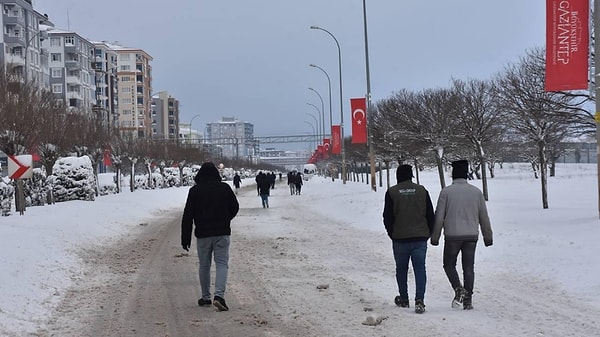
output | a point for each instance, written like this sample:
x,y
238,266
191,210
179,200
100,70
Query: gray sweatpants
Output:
x,y
217,246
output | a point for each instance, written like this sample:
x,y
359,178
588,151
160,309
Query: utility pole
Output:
x,y
370,134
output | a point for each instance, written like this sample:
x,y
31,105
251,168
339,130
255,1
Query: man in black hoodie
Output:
x,y
210,206
408,218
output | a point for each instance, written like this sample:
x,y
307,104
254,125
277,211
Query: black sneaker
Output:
x,y
459,296
219,303
401,302
467,302
203,303
419,306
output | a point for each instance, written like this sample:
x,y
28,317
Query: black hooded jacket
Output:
x,y
211,205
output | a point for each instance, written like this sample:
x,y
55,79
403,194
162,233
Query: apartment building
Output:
x,y
106,96
165,117
134,74
72,78
234,138
21,50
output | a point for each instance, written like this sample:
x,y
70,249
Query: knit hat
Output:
x,y
460,169
404,172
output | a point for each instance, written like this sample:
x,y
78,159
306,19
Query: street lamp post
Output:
x,y
319,125
329,83
369,129
314,134
341,101
190,138
41,34
322,110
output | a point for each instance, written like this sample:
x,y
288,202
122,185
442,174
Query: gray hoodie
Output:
x,y
461,211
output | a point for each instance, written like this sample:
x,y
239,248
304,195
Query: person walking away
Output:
x,y
298,182
210,207
258,178
461,212
272,178
264,185
237,180
291,183
408,218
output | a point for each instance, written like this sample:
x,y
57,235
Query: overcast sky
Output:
x,y
250,59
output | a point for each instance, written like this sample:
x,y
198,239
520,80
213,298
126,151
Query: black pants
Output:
x,y
467,249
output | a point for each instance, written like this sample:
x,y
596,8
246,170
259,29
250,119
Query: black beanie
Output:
x,y
460,169
404,172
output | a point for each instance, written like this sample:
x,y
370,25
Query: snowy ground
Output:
x,y
541,277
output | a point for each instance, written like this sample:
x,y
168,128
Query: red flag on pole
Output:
x,y
359,120
106,160
336,143
327,144
567,44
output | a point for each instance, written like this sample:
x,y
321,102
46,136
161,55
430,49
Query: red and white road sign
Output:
x,y
20,166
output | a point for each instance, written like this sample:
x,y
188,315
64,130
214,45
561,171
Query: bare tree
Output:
x,y
538,116
480,121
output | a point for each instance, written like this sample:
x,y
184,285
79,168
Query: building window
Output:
x,y
126,89
56,72
126,100
57,88
55,57
126,112
124,57
69,40
126,79
125,68
55,42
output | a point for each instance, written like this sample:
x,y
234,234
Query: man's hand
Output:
x,y
186,247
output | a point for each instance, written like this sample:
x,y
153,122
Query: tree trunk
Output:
x,y
543,173
440,166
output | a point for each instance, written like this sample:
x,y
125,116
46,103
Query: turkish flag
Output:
x,y
359,120
336,143
106,157
327,144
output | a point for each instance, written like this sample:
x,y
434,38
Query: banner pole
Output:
x,y
596,14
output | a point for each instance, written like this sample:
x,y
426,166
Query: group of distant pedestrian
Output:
x,y
264,183
408,217
294,181
410,220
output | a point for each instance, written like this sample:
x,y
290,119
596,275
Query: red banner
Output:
x,y
567,44
106,157
359,120
326,144
336,143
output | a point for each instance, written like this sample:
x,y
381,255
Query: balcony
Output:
x,y
15,59
74,95
74,80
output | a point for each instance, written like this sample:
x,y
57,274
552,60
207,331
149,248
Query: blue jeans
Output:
x,y
219,247
416,251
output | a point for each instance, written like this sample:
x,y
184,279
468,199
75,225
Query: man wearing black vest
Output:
x,y
408,218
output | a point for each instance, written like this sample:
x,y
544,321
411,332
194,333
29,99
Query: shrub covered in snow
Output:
x,y
171,177
37,189
73,179
7,191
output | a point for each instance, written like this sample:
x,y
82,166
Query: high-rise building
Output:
x,y
234,137
134,74
21,51
104,64
72,79
165,117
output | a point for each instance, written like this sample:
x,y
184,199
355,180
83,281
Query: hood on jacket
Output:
x,y
208,171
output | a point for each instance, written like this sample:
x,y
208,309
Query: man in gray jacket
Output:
x,y
461,211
